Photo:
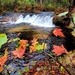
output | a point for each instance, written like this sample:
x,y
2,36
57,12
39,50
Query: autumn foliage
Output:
x,y
58,50
58,32
21,49
3,59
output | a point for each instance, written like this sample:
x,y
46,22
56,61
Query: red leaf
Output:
x,y
3,59
18,53
58,32
21,49
58,50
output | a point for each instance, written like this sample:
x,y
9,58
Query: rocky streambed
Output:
x,y
41,61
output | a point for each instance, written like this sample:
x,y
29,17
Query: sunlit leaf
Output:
x,y
58,32
3,59
3,39
63,14
58,50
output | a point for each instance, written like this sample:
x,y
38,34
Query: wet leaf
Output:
x,y
58,50
58,32
3,39
19,52
3,59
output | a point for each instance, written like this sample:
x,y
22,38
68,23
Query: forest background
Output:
x,y
32,5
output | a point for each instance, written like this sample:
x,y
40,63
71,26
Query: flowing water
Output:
x,y
43,19
34,25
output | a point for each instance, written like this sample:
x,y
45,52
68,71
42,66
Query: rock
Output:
x,y
61,21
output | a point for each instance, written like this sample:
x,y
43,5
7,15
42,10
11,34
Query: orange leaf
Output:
x,y
33,45
58,32
21,49
32,49
58,50
34,41
23,42
3,59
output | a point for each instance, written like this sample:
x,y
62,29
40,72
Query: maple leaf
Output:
x,y
58,50
33,45
34,41
58,32
32,49
3,59
21,49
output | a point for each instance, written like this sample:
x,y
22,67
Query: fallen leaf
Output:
x,y
3,59
58,50
58,32
3,39
36,46
19,52
32,49
33,45
34,41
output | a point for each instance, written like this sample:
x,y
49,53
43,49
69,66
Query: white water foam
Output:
x,y
41,20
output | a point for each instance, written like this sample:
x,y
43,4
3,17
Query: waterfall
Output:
x,y
43,19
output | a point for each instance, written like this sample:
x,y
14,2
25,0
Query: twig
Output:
x,y
58,62
53,57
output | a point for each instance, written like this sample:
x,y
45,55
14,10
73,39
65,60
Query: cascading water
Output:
x,y
43,19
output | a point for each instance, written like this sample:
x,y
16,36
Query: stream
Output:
x,y
30,25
